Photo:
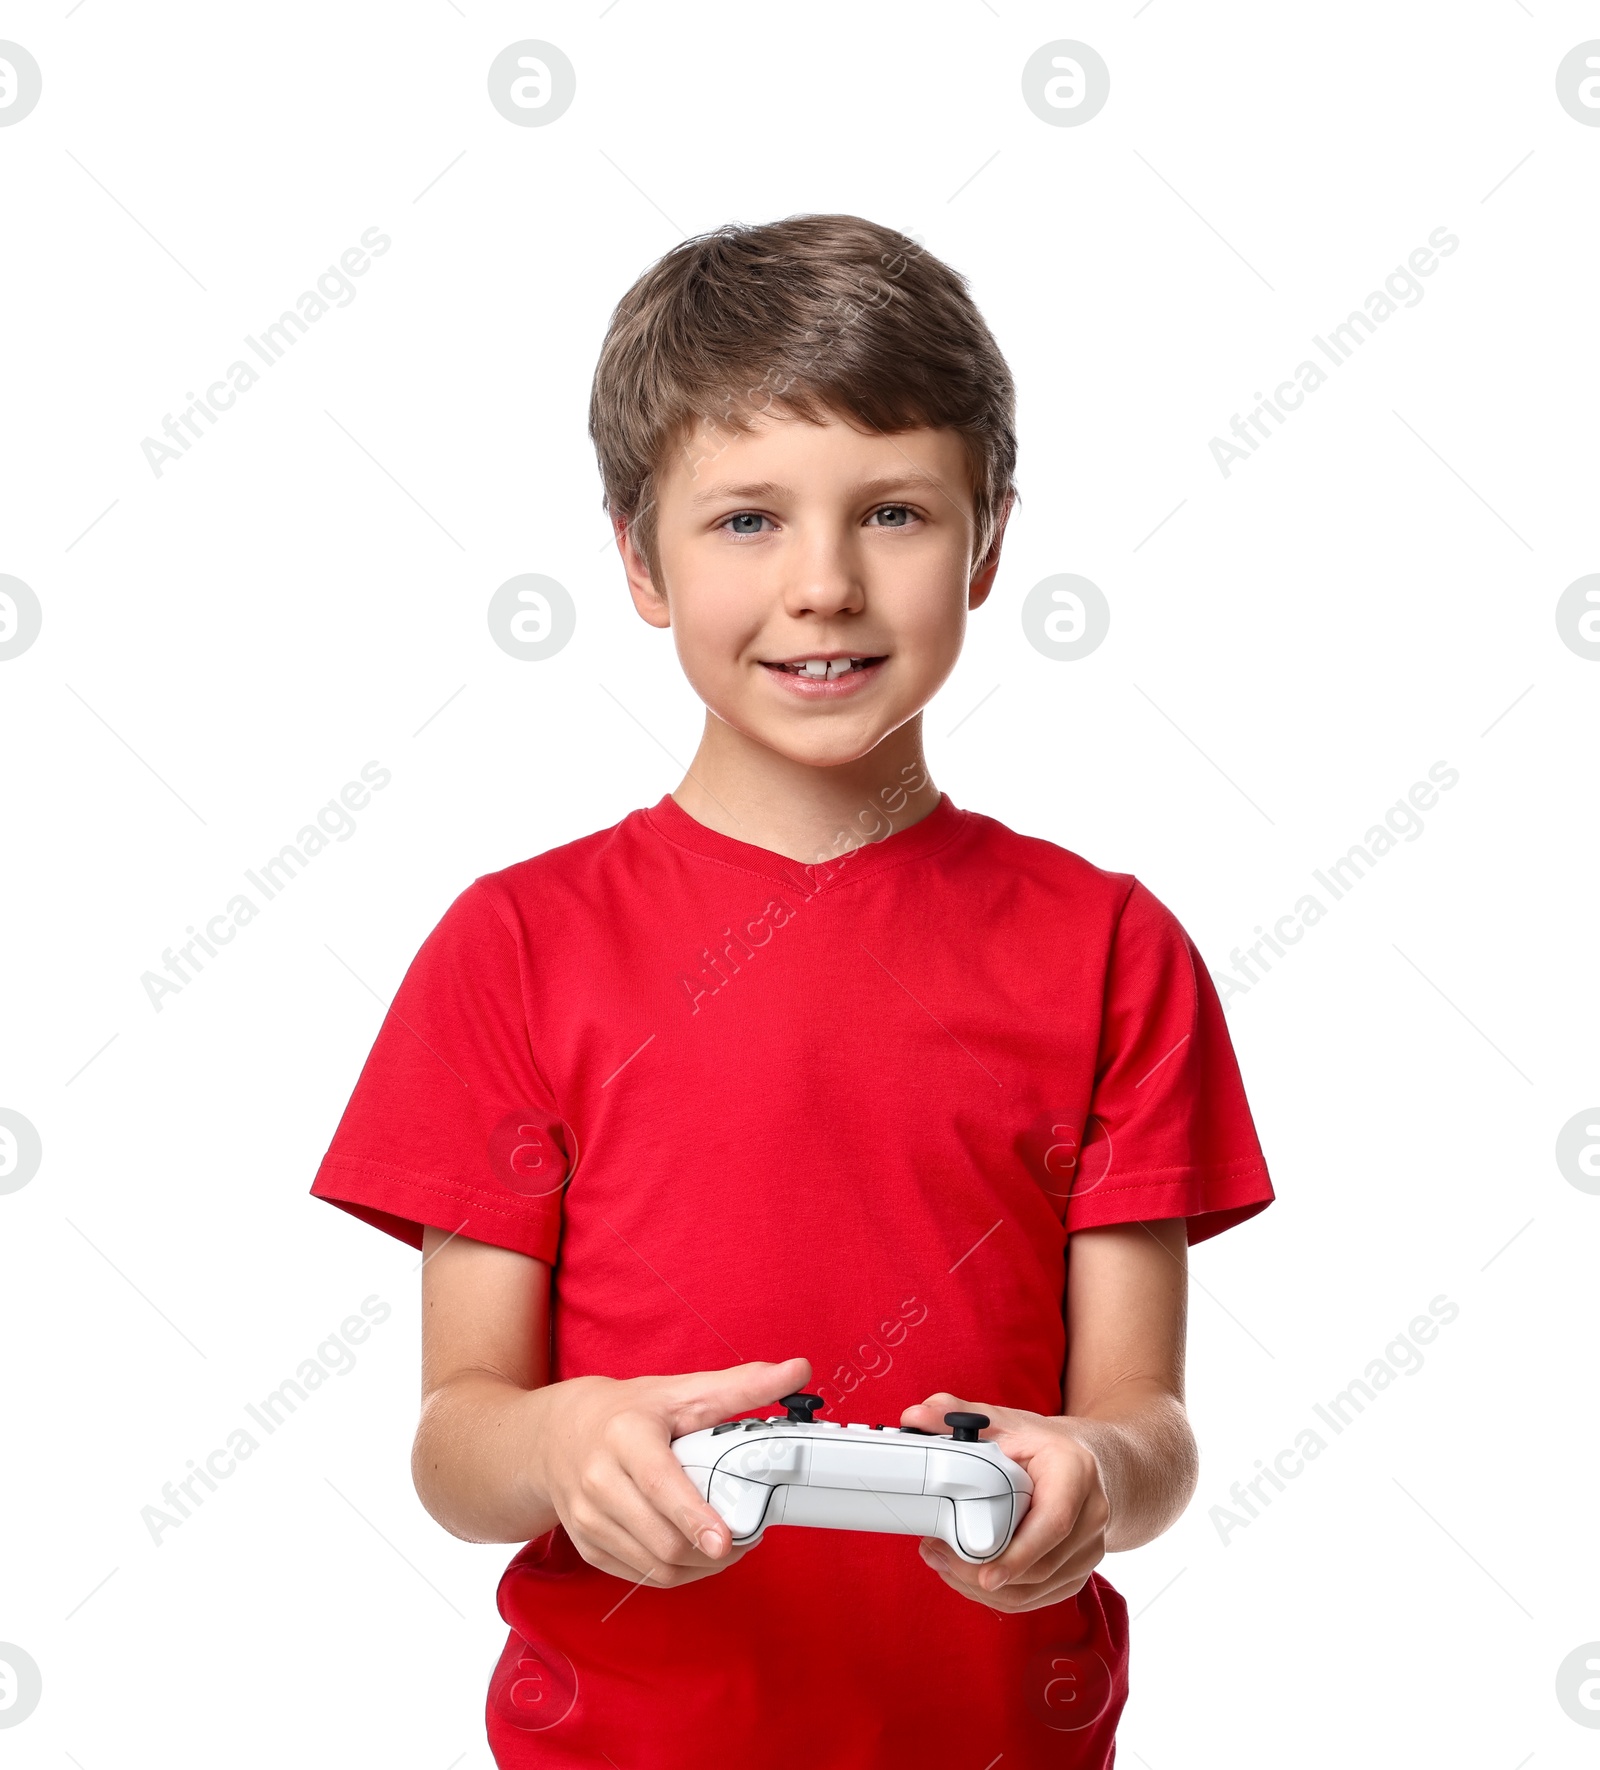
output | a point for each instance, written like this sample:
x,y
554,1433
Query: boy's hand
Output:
x,y
1062,1539
602,1456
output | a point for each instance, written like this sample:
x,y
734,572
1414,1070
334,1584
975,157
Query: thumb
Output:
x,y
702,1398
929,1414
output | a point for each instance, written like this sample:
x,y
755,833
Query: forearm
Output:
x,y
473,1461
1149,1462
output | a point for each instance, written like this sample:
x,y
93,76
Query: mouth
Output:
x,y
825,676
824,666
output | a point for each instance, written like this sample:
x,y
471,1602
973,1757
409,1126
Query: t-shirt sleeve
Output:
x,y
1170,1132
451,1122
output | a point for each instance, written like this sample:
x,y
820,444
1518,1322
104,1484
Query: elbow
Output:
x,y
1159,1479
425,1471
429,1477
1185,1466
1181,1462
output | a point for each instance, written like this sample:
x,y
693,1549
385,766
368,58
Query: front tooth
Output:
x,y
838,666
814,667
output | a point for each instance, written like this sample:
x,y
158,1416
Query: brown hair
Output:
x,y
815,314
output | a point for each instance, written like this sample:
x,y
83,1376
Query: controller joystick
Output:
x,y
966,1427
802,1407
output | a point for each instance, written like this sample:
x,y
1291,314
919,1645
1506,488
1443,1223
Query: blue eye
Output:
x,y
903,514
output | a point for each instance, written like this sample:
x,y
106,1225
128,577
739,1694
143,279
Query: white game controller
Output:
x,y
799,1470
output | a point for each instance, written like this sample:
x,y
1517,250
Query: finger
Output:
x,y
596,1557
662,1508
956,1573
929,1414
1042,1570
972,1577
1015,1603
657,1572
620,1534
1043,1527
625,1527
941,1403
662,1490
1040,1534
1065,1583
607,1510
703,1398
982,1578
605,1543
963,1575
1059,1513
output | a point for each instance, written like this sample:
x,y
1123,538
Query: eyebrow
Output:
x,y
767,488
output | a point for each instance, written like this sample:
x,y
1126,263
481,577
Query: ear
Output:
x,y
984,575
647,598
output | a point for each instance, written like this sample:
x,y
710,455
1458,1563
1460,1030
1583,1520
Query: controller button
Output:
x,y
726,1426
802,1407
966,1427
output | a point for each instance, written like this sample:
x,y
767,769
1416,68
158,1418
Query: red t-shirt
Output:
x,y
750,1109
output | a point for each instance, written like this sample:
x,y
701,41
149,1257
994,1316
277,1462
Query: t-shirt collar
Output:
x,y
930,832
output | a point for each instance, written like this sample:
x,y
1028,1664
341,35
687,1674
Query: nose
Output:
x,y
825,578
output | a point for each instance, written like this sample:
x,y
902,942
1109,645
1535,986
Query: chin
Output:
x,y
830,750
831,755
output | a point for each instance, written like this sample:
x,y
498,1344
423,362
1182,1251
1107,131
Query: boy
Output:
x,y
802,1078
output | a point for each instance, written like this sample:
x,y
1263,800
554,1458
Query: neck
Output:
x,y
798,809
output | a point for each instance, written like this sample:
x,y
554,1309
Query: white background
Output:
x,y
1291,647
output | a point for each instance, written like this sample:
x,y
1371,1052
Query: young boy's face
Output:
x,y
800,541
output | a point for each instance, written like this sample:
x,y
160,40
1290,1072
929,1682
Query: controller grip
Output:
x,y
741,1504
